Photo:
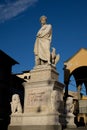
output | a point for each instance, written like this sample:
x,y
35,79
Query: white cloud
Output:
x,y
12,9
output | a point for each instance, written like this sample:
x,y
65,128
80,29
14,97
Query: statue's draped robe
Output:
x,y
42,44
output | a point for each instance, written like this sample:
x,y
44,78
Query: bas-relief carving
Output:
x,y
16,104
43,44
55,100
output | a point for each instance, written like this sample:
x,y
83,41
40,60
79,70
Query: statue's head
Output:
x,y
43,19
69,100
15,98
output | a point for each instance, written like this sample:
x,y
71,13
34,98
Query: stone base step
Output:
x,y
41,127
79,128
35,127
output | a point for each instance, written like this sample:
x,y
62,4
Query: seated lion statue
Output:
x,y
16,104
69,105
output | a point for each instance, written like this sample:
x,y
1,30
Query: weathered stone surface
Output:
x,y
16,119
43,72
37,100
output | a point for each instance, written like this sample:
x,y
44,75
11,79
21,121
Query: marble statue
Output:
x,y
69,105
16,104
69,113
42,43
54,57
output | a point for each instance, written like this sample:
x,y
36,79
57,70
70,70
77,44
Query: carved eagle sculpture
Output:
x,y
55,57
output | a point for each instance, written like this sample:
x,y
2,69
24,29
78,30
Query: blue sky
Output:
x,y
19,23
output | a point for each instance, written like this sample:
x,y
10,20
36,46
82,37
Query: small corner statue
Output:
x,y
16,107
43,45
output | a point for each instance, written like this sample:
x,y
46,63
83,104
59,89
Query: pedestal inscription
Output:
x,y
37,100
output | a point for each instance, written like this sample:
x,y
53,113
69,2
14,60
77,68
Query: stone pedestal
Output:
x,y
70,120
43,98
